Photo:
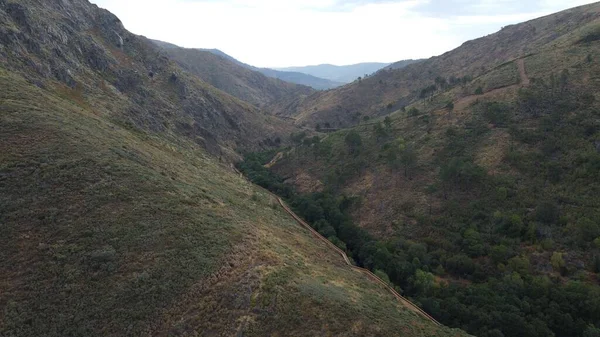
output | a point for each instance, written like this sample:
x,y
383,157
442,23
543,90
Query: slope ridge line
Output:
x,y
411,306
367,272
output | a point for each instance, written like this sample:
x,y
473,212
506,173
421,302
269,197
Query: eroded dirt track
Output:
x,y
411,306
368,273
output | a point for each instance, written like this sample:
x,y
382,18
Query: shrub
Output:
x,y
547,213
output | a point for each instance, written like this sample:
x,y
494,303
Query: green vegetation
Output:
x,y
112,230
497,236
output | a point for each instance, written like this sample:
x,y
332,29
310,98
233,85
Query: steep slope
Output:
x,y
481,201
344,74
391,90
106,68
116,220
239,81
109,231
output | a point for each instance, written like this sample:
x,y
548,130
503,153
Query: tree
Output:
x,y
473,242
558,263
588,230
450,106
547,213
424,281
479,91
380,131
408,158
383,276
591,331
388,122
354,142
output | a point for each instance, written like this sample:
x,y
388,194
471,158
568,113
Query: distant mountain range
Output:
x,y
287,76
344,74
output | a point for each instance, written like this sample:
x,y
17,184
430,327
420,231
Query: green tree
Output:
x,y
473,242
408,158
547,213
588,229
354,142
383,276
424,281
591,331
388,122
558,262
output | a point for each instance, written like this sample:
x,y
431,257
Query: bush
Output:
x,y
547,213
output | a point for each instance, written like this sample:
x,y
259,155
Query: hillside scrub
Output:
x,y
508,252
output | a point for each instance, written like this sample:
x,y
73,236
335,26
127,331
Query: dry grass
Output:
x,y
108,230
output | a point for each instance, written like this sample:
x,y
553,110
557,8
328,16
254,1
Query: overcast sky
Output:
x,y
279,33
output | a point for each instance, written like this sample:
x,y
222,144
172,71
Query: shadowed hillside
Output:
x,y
85,54
239,81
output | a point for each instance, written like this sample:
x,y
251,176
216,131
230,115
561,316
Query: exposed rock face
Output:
x,y
87,49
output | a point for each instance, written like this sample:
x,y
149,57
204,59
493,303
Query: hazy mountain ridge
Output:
x,y
344,74
287,76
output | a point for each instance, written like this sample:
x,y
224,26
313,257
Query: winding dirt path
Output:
x,y
411,306
368,273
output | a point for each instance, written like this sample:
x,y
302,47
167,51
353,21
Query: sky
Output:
x,y
281,33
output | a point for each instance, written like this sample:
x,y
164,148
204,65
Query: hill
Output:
x,y
481,199
233,78
127,78
344,74
391,89
287,76
120,214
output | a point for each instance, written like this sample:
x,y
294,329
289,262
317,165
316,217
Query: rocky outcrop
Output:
x,y
87,49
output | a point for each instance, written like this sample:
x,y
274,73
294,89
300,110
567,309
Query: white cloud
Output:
x,y
276,33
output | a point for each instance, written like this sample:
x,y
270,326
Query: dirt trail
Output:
x,y
411,306
275,159
524,78
369,274
467,101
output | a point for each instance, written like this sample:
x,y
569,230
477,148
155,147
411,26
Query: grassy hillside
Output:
x,y
246,84
120,215
109,230
391,90
480,200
